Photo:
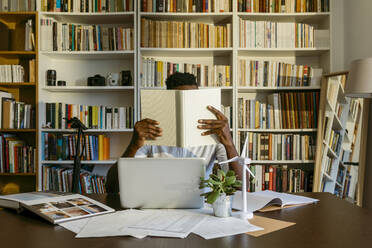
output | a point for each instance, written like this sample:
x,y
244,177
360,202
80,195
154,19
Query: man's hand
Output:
x,y
219,127
145,129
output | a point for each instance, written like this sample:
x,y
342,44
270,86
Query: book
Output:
x,y
178,112
269,200
55,208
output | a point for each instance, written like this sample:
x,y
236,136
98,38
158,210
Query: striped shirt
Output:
x,y
210,153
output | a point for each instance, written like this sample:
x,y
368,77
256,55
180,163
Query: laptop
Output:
x,y
160,182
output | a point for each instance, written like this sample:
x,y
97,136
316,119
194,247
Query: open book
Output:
x,y
178,112
269,200
56,208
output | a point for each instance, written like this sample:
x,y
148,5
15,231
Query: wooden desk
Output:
x,y
330,223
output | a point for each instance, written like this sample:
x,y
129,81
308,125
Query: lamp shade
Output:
x,y
359,82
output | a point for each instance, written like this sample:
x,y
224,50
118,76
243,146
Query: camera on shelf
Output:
x,y
97,80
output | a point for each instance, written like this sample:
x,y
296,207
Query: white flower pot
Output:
x,y
222,206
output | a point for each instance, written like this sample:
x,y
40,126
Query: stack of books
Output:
x,y
172,34
256,73
205,6
58,36
59,178
155,72
267,34
280,179
12,74
334,141
281,111
16,156
278,146
93,117
87,6
283,6
62,147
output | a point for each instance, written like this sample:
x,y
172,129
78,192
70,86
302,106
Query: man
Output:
x,y
148,129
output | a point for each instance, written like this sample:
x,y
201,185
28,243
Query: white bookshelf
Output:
x,y
346,124
75,67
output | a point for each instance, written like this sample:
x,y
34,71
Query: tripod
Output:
x,y
77,124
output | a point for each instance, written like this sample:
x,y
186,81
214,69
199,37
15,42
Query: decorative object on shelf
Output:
x,y
51,77
77,124
113,79
126,78
223,185
97,80
359,84
61,83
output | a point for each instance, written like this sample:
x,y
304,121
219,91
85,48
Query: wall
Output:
x,y
358,44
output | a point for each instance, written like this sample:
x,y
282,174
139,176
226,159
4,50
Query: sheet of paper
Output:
x,y
113,225
76,225
170,223
254,202
288,199
214,227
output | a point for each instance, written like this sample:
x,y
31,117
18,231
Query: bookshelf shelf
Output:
x,y
195,17
309,130
47,130
17,53
297,17
17,130
186,52
282,162
17,85
17,174
283,52
91,17
82,89
101,162
276,89
89,54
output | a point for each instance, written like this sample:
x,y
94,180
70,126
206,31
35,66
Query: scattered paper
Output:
x,y
76,225
214,227
175,223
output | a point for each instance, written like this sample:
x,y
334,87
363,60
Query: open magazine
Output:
x,y
269,200
56,207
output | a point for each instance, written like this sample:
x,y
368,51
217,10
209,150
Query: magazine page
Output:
x,y
66,208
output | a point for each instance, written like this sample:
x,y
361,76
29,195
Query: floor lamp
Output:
x,y
359,85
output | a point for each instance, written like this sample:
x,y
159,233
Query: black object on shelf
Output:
x,y
126,78
61,83
51,77
97,80
77,124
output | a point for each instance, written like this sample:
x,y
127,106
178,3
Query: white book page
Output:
x,y
255,201
160,105
288,199
195,104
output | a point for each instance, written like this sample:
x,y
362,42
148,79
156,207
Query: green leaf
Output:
x,y
230,180
213,197
214,182
221,175
230,173
214,177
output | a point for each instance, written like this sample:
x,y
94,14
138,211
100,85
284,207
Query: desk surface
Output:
x,y
330,223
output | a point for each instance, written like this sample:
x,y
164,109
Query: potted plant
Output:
x,y
222,185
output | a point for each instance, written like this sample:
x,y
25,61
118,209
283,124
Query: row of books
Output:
x,y
228,113
12,73
172,34
62,147
328,164
15,115
93,117
29,35
354,107
266,34
57,36
262,146
281,111
340,175
283,6
59,178
205,6
334,141
280,179
87,6
155,72
17,5
276,74
15,155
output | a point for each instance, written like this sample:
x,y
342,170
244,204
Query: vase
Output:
x,y
222,206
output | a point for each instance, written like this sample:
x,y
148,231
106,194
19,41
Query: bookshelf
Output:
x,y
337,159
15,179
75,67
